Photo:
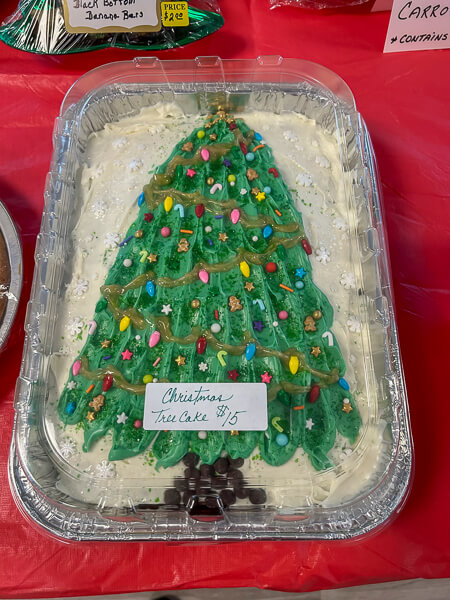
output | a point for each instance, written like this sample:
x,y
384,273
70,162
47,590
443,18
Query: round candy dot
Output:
x,y
317,315
210,180
282,439
139,233
215,327
202,435
250,156
138,424
208,229
200,134
299,285
255,238
231,178
195,303
165,231
271,267
346,401
155,380
275,323
267,189
138,337
283,315
127,262
232,183
147,378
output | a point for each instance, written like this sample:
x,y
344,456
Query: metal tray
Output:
x,y
272,84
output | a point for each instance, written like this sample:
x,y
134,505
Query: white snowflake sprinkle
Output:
x,y
304,179
203,366
75,326
348,280
309,424
112,240
166,309
119,142
290,136
122,418
354,324
67,448
323,161
71,385
339,224
105,470
323,255
99,209
135,165
80,287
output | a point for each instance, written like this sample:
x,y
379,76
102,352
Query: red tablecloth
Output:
x,y
404,99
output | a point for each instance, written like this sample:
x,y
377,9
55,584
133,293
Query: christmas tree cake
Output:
x,y
212,282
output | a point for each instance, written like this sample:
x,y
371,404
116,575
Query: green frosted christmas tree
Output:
x,y
213,283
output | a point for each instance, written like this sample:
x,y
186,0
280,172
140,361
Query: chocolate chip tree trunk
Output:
x,y
214,284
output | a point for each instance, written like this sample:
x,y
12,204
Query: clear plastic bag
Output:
x,y
38,26
317,4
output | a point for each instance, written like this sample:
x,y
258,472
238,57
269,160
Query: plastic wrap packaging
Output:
x,y
317,4
39,26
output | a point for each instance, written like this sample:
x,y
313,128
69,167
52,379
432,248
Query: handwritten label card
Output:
x,y
94,16
206,406
418,25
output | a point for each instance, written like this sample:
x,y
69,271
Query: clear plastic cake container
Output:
x,y
368,482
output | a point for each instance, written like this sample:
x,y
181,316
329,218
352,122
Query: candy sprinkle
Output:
x,y
216,314
258,147
107,357
157,361
285,287
126,240
90,388
277,212
186,231
299,407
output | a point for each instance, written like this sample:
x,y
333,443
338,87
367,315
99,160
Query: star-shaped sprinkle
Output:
x,y
260,196
223,237
309,324
71,385
234,304
258,325
266,378
309,424
191,172
187,147
166,309
315,350
90,416
255,191
300,272
180,360
183,245
226,163
213,137
346,406
152,258
126,355
122,418
148,217
233,375
203,366
249,286
97,402
105,344
234,432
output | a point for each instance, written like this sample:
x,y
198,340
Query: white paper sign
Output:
x,y
206,406
418,25
111,15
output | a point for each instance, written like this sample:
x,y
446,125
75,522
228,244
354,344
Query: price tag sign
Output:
x,y
418,25
174,14
98,16
206,406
